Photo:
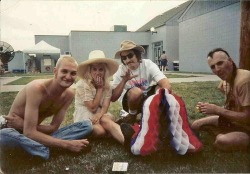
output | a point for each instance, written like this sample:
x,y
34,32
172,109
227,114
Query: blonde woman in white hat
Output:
x,y
132,81
93,93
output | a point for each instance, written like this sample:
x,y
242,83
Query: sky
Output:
x,y
22,19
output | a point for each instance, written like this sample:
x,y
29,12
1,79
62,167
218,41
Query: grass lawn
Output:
x,y
25,80
106,151
10,74
28,78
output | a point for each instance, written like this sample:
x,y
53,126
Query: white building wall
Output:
x,y
18,62
172,45
199,35
81,43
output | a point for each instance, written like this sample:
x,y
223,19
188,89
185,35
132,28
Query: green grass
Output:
x,y
25,80
30,77
10,74
179,76
106,151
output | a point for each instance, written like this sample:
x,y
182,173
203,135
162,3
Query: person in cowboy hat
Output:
x,y
93,93
131,82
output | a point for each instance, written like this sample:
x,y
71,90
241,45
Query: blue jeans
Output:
x,y
12,139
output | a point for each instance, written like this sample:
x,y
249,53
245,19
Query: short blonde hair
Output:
x,y
66,59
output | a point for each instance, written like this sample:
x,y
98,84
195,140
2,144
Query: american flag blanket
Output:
x,y
164,123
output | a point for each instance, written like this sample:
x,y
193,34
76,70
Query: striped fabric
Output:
x,y
164,122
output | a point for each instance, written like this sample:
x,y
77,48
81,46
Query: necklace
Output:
x,y
137,84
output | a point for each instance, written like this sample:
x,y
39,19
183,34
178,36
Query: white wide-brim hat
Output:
x,y
97,56
128,45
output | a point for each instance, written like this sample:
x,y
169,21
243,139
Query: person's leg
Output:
x,y
112,128
77,130
232,141
98,131
210,120
132,104
12,139
135,96
209,124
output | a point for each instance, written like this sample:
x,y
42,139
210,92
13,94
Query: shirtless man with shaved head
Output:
x,y
41,99
232,122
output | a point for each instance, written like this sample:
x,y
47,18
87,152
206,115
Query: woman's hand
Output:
x,y
98,82
96,117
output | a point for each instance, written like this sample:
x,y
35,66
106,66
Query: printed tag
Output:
x,y
120,166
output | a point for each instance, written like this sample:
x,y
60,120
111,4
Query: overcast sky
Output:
x,y
22,19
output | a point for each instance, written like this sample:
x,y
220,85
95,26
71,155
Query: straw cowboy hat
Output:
x,y
128,45
97,56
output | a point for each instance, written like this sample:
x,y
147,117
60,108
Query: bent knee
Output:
x,y
105,120
195,125
233,141
134,93
98,130
85,124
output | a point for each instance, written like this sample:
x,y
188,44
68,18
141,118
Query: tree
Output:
x,y
245,35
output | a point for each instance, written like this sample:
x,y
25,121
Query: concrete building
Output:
x,y
187,33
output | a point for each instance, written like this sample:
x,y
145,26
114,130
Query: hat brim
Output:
x,y
112,65
138,47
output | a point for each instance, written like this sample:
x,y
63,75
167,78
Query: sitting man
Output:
x,y
131,82
231,122
41,99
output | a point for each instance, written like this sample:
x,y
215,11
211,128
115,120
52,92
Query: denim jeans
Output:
x,y
12,139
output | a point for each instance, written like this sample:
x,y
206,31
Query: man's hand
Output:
x,y
207,108
14,121
127,76
77,145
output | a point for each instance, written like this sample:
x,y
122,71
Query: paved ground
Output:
x,y
199,77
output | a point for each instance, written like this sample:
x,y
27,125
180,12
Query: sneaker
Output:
x,y
128,119
127,132
3,123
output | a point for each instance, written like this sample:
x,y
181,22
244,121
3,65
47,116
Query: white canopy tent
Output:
x,y
41,49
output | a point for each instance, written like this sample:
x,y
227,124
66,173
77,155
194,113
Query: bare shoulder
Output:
x,y
38,85
69,93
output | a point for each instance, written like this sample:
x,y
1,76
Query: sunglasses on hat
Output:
x,y
130,56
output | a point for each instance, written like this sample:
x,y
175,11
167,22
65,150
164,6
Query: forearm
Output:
x,y
96,101
164,83
47,129
46,140
240,117
104,110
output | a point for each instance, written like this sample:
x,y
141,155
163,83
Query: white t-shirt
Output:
x,y
147,72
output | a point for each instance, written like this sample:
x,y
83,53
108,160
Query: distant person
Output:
x,y
93,93
37,101
231,123
164,61
132,83
159,63
1,67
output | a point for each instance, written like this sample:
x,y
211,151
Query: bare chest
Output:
x,y
50,107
